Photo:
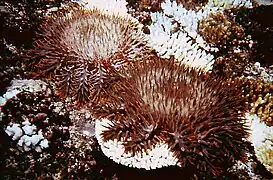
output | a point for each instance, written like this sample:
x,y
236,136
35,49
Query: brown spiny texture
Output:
x,y
198,115
259,97
80,51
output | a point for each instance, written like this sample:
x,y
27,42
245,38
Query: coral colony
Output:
x,y
157,83
28,119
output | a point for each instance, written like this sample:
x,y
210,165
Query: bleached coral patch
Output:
x,y
159,156
264,2
261,137
258,71
18,86
108,6
167,38
175,31
27,136
25,133
265,154
230,3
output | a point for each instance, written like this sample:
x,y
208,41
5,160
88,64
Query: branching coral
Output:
x,y
265,154
81,50
109,6
262,140
259,97
258,93
33,125
223,33
219,31
31,113
177,27
199,117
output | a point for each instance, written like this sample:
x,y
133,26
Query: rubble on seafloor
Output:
x,y
45,137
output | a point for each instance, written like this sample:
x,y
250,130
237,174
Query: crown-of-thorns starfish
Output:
x,y
81,49
161,114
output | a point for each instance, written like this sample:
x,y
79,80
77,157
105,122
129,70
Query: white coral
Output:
x,y
14,130
18,86
29,129
259,131
25,132
108,6
184,42
261,137
159,156
27,136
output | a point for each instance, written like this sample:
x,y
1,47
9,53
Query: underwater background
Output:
x,y
62,69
